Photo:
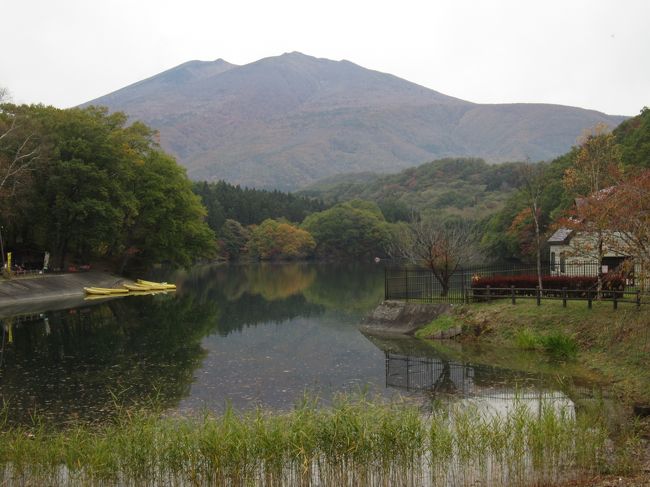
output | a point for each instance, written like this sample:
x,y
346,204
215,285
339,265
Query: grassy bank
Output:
x,y
615,343
354,442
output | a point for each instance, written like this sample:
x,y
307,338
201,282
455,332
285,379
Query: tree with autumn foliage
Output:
x,y
632,212
274,239
595,170
625,210
597,164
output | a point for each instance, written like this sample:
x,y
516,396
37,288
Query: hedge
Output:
x,y
527,284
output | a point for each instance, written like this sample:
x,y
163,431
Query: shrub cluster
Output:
x,y
525,285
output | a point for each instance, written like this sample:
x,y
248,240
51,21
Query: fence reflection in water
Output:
x,y
444,378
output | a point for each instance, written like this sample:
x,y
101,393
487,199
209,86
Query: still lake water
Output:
x,y
243,336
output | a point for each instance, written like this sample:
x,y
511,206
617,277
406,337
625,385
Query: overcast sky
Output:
x,y
592,54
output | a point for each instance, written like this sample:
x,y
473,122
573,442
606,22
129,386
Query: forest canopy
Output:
x,y
95,187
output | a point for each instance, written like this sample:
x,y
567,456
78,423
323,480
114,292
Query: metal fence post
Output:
x,y
638,299
406,273
615,299
564,296
385,283
462,283
512,293
488,293
589,299
539,295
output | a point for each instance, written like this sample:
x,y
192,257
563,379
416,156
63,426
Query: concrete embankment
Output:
x,y
43,292
400,318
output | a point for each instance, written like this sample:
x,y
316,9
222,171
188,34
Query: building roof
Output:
x,y
560,236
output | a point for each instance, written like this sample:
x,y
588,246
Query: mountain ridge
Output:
x,y
286,121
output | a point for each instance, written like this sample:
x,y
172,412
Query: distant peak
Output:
x,y
295,54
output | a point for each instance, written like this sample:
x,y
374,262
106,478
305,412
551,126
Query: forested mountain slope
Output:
x,y
468,188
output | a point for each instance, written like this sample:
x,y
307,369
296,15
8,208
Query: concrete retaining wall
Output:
x,y
400,318
27,294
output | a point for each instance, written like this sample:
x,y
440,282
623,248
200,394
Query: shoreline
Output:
x,y
40,293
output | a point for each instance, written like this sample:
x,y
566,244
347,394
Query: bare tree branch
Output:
x,y
20,148
441,247
533,178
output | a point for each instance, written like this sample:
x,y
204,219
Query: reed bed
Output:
x,y
353,442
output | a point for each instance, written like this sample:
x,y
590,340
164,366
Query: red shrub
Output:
x,y
526,284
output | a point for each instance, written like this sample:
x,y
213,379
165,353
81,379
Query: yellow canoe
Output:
x,y
162,285
112,290
136,287
97,291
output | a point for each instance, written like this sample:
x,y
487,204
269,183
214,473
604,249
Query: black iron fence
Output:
x,y
410,283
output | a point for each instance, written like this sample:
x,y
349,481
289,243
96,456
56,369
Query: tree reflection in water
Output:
x,y
77,363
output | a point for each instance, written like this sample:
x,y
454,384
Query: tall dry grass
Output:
x,y
354,442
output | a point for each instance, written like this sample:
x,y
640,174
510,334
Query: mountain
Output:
x,y
286,121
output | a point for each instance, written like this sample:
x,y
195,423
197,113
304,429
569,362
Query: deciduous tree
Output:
x,y
440,246
354,229
532,177
273,240
20,150
596,167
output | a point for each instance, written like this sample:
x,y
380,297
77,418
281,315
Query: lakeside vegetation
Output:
x,y
615,343
356,441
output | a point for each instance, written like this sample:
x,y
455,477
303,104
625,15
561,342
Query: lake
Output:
x,y
243,336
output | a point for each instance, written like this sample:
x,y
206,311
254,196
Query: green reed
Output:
x,y
355,441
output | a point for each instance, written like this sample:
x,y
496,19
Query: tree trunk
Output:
x,y
445,289
539,260
123,264
63,249
599,285
538,246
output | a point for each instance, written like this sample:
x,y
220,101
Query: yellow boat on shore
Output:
x,y
140,287
156,285
112,290
103,291
137,287
96,291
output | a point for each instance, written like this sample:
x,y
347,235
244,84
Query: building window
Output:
x,y
553,269
562,262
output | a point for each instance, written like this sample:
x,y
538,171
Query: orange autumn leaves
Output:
x,y
274,239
